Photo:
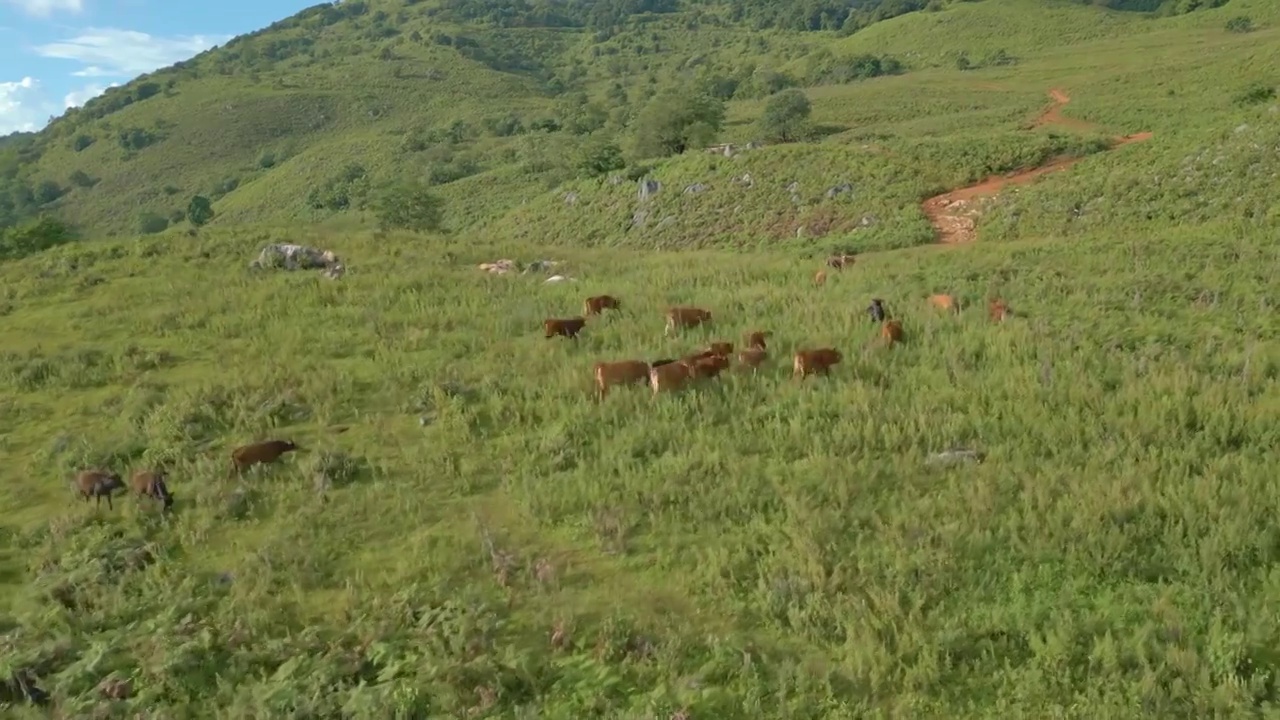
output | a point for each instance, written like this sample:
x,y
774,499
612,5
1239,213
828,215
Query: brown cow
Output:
x,y
599,303
720,348
754,354
946,302
839,262
152,484
619,373
998,310
567,327
98,484
686,317
811,362
891,332
820,277
264,452
676,375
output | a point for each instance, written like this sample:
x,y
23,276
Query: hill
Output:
x,y
306,120
466,534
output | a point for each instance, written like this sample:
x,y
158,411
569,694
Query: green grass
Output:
x,y
783,547
492,542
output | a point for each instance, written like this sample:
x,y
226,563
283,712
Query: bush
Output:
x,y
1240,24
409,206
150,223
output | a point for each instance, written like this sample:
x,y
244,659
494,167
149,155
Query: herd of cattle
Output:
x,y
661,375
99,484
674,373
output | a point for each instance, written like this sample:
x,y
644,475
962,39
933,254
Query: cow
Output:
x,y
599,303
998,310
754,354
619,373
566,327
98,484
840,262
720,348
152,484
676,375
946,302
876,310
820,278
891,332
815,362
265,452
686,317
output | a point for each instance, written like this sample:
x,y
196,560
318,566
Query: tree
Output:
x,y
599,157
409,206
199,210
676,120
33,236
786,117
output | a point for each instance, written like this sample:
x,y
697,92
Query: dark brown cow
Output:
x,y
152,484
566,327
720,348
98,484
268,451
876,310
599,303
998,310
619,373
815,362
686,317
891,332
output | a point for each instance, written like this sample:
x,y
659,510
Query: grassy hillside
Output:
x,y
468,534
305,121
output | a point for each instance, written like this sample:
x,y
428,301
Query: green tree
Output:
x,y
676,120
199,210
33,236
786,117
598,157
409,206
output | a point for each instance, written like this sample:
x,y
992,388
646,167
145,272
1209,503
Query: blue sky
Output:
x,y
56,54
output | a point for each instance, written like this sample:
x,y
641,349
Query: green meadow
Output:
x,y
468,533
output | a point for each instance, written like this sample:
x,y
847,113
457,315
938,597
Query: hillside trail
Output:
x,y
953,213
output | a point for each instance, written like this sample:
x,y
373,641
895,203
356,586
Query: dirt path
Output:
x,y
954,214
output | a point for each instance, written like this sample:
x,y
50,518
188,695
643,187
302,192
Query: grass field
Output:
x,y
757,548
468,533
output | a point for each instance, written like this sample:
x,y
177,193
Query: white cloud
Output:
x,y
76,98
92,71
45,8
23,108
26,107
108,52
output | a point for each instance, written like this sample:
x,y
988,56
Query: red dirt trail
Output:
x,y
953,214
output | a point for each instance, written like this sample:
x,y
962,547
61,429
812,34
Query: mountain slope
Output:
x,y
301,122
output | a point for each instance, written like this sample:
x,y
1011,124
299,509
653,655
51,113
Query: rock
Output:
x,y
840,189
639,218
695,189
571,198
745,180
648,188
615,179
868,220
793,187
957,455
559,278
